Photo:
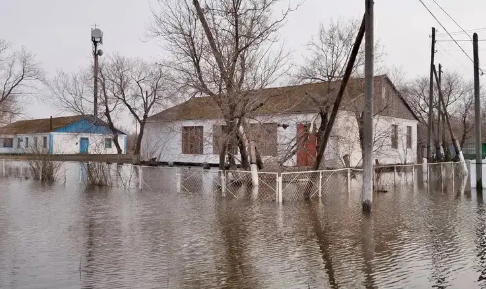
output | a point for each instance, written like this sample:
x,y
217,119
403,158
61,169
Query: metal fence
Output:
x,y
276,187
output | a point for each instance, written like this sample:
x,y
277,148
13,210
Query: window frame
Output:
x,y
35,142
44,142
19,142
192,140
26,142
409,137
266,138
110,140
10,143
394,136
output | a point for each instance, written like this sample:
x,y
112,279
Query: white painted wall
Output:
x,y
20,147
163,141
68,143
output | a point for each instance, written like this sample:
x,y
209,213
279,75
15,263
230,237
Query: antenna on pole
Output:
x,y
96,39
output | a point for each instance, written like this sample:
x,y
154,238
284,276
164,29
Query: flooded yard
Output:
x,y
63,235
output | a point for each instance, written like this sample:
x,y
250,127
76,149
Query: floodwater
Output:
x,y
65,236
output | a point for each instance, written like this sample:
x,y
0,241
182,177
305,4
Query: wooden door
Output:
x,y
306,146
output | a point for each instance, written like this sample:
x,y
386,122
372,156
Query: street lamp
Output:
x,y
96,39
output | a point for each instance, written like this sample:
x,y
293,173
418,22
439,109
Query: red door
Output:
x,y
306,146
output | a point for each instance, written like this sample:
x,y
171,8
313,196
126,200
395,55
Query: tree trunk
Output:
x,y
245,163
222,156
111,126
324,114
139,138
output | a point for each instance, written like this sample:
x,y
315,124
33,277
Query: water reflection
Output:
x,y
66,236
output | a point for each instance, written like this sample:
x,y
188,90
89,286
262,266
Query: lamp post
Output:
x,y
96,39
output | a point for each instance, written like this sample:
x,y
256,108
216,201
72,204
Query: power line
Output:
x,y
452,19
459,40
462,32
453,57
457,43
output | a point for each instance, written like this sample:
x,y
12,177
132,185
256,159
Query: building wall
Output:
x,y
68,143
163,141
20,147
61,143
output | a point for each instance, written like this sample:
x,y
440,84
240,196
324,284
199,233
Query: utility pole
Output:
x,y
347,75
431,98
367,196
477,118
455,142
439,132
96,39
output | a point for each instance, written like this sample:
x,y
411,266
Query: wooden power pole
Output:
x,y
455,142
439,149
367,196
431,98
477,118
339,97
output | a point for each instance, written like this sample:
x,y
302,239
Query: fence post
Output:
x,y
21,170
280,190
394,176
223,183
413,174
425,170
41,167
453,173
178,179
140,177
349,181
428,173
3,168
320,184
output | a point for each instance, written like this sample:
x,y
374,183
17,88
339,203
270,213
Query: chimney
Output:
x,y
50,124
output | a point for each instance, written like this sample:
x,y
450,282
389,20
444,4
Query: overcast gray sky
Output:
x,y
58,31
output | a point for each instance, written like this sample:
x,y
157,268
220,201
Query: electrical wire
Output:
x,y
453,57
462,32
458,40
452,19
443,27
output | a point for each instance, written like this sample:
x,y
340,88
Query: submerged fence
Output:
x,y
276,187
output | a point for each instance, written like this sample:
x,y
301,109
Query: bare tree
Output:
x,y
326,61
225,49
73,92
19,72
140,87
455,90
462,115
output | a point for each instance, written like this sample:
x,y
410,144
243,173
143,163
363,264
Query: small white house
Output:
x,y
61,135
284,127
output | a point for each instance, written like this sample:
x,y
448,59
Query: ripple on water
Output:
x,y
56,236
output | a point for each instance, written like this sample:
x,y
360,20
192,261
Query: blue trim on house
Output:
x,y
84,126
51,143
125,145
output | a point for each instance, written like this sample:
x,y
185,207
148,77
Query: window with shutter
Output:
x,y
192,140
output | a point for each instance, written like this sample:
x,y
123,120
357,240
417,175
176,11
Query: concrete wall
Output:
x,y
163,141
68,143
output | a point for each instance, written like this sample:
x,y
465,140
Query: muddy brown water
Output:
x,y
65,236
